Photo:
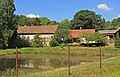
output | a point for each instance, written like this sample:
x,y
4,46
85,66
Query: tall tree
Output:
x,y
109,26
87,19
116,22
62,33
7,27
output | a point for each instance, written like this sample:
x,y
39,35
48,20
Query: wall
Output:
x,y
46,37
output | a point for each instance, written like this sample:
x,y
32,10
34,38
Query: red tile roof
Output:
x,y
78,33
37,29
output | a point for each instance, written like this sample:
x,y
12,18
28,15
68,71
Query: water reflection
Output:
x,y
37,63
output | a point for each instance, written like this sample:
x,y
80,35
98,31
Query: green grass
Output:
x,y
82,51
110,68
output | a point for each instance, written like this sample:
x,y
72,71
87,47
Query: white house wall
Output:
x,y
47,38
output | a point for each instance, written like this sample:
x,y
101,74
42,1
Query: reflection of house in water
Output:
x,y
27,65
46,64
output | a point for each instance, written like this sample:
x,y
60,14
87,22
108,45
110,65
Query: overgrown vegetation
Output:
x,y
96,39
117,42
23,42
37,41
62,34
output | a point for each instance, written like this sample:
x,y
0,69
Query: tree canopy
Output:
x,y
87,20
7,22
23,20
97,37
62,34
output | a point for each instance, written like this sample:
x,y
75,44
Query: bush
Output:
x,y
54,43
100,40
117,42
37,41
23,42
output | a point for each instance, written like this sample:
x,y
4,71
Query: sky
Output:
x,y
59,10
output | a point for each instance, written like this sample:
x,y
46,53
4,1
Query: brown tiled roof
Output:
x,y
78,33
37,29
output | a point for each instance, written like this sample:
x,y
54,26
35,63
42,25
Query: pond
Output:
x,y
41,62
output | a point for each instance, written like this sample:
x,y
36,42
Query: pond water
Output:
x,y
38,62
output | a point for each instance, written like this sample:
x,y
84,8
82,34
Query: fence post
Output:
x,y
69,60
100,58
16,62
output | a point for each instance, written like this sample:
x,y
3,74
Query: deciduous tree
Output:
x,y
88,20
7,24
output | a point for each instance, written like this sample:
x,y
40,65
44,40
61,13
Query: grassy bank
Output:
x,y
82,51
111,68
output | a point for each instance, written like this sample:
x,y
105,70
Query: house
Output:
x,y
45,32
110,34
76,34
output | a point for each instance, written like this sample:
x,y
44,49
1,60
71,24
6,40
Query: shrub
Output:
x,y
23,42
37,41
54,43
100,40
117,42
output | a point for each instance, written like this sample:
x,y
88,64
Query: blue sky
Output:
x,y
62,9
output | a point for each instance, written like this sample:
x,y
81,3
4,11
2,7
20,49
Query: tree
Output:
x,y
97,37
65,24
109,26
62,34
7,26
116,22
23,20
87,20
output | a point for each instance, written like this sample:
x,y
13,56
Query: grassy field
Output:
x,y
111,62
82,51
110,68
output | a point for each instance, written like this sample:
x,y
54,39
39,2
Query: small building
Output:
x,y
45,32
76,34
110,34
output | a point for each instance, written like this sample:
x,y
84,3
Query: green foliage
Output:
x,y
65,24
23,42
23,20
37,41
116,22
7,24
109,26
62,34
97,37
117,42
87,20
54,43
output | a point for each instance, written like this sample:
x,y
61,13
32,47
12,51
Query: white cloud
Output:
x,y
32,16
104,7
